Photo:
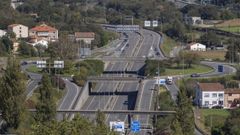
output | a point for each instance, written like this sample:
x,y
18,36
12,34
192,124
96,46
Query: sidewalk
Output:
x,y
198,124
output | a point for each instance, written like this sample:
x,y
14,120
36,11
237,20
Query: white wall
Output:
x,y
21,31
2,33
211,99
198,47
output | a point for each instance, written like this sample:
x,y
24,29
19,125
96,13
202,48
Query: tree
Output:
x,y
189,58
8,44
176,128
210,39
46,107
184,113
26,50
101,127
12,87
232,126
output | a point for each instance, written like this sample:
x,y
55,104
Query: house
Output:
x,y
194,20
20,30
87,37
2,33
45,32
39,41
231,98
209,95
197,47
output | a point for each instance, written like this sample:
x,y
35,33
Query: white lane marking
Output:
x,y
67,89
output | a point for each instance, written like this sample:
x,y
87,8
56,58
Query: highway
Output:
x,y
139,45
68,100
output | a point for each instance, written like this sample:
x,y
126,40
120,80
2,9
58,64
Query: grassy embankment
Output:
x,y
167,45
230,26
212,118
182,71
165,103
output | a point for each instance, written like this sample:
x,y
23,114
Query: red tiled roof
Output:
x,y
84,34
232,91
211,87
43,28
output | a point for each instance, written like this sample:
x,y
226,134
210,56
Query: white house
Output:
x,y
209,95
197,47
2,33
20,30
39,41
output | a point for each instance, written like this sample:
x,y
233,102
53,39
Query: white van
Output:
x,y
169,80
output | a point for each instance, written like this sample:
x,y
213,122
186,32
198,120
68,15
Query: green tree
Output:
x,y
12,87
27,50
8,44
184,113
46,107
176,128
210,39
101,127
232,126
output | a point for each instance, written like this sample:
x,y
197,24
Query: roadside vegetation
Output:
x,y
167,45
87,68
185,63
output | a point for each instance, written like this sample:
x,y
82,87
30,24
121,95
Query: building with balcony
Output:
x,y
44,32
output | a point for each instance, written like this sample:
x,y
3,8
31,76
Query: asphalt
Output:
x,y
70,97
137,46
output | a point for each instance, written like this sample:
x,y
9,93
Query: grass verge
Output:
x,y
167,45
33,69
57,96
194,69
234,29
212,118
214,55
165,103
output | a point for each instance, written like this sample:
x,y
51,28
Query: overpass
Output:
x,y
112,78
130,112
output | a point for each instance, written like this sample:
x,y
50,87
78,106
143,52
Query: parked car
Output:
x,y
195,75
217,107
24,63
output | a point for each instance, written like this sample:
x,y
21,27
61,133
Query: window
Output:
x,y
214,95
206,102
220,102
220,95
214,102
206,95
230,94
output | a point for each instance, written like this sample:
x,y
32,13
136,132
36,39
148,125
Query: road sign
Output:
x,y
154,23
58,64
41,64
220,68
147,23
117,126
135,126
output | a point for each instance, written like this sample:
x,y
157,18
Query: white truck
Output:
x,y
169,80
